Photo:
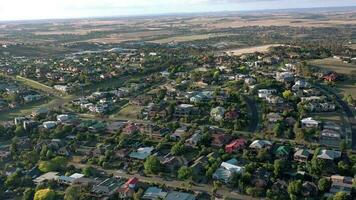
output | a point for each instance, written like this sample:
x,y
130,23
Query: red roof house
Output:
x,y
219,140
235,145
130,128
330,77
131,183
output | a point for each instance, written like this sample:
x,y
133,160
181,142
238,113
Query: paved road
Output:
x,y
350,115
254,114
171,183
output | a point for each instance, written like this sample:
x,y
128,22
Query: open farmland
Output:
x,y
187,38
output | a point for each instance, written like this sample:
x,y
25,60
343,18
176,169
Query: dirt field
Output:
x,y
263,48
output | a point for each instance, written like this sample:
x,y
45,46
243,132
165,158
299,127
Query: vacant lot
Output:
x,y
263,48
128,112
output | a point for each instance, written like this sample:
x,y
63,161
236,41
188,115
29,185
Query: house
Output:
x,y
309,189
302,155
226,170
201,97
40,112
340,184
300,84
130,128
220,139
62,88
173,163
217,113
46,177
285,76
198,167
128,189
107,187
19,120
194,139
122,153
273,99
179,196
260,144
184,110
329,155
29,124
330,77
179,133
273,117
49,124
261,178
282,152
330,137
141,153
263,93
231,115
309,123
153,193
235,145
63,118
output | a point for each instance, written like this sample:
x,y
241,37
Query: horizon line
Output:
x,y
133,16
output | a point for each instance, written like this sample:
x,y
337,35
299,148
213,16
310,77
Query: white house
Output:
x,y
309,123
49,124
263,93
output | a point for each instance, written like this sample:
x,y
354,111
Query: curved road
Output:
x,y
350,115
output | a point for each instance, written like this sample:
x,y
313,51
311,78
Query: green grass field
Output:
x,y
347,86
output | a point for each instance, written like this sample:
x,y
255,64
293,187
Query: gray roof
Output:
x,y
179,196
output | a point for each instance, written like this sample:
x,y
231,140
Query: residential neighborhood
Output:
x,y
151,117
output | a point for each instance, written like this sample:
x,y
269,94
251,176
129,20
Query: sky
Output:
x,y
58,9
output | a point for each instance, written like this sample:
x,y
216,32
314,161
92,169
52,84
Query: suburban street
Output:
x,y
170,183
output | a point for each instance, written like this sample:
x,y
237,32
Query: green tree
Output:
x,y
295,187
152,165
72,193
278,167
185,173
343,167
278,129
287,94
178,149
45,194
341,196
28,194
324,184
